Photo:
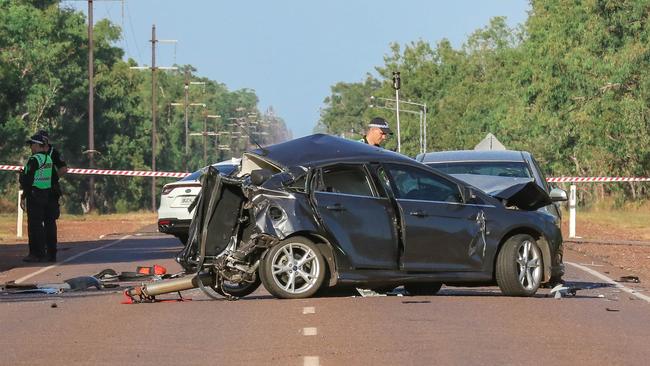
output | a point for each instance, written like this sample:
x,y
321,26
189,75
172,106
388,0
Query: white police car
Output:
x,y
173,215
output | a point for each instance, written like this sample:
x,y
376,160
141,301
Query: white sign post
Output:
x,y
19,220
572,211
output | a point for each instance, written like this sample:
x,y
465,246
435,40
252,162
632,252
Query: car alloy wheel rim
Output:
x,y
529,267
295,268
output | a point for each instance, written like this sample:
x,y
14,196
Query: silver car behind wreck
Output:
x,y
323,211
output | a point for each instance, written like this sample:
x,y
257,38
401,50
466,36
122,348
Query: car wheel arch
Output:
x,y
541,242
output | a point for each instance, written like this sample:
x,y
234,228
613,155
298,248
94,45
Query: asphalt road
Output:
x,y
603,325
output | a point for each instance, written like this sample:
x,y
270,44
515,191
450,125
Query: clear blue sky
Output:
x,y
292,51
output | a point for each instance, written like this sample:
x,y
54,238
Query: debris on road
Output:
x,y
368,292
561,290
631,279
612,309
83,283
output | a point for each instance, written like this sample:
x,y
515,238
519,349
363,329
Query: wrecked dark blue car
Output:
x,y
322,211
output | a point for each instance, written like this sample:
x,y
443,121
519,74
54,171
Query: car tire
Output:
x,y
519,267
239,290
423,288
293,269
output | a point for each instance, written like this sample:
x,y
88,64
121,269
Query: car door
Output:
x,y
440,231
356,216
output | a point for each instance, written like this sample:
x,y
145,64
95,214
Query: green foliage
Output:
x,y
44,84
571,85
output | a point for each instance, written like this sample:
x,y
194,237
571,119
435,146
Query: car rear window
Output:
x,y
224,169
494,168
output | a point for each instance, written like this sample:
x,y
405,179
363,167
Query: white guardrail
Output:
x,y
146,173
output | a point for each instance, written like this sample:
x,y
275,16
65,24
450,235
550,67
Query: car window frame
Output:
x,y
426,169
316,180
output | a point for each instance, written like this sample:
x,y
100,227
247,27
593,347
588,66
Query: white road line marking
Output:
x,y
309,331
309,310
611,281
26,277
311,361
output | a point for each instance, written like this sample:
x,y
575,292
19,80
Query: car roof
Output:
x,y
320,149
473,155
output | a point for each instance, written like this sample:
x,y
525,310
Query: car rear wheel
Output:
x,y
239,289
519,266
293,269
423,289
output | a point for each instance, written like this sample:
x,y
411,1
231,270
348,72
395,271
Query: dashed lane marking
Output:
x,y
611,281
309,331
309,310
311,361
26,277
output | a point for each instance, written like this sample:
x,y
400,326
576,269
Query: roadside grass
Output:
x,y
631,217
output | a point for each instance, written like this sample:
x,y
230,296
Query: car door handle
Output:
x,y
418,213
335,207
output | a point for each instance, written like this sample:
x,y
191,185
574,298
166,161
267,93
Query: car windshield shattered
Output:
x,y
322,211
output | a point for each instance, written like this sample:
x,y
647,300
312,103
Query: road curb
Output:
x,y
608,242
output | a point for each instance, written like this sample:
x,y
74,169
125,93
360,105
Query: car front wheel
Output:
x,y
293,269
519,267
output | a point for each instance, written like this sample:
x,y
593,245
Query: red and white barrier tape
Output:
x,y
145,173
125,173
595,179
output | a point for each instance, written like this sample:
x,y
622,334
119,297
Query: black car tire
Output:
x,y
241,289
288,281
519,267
423,288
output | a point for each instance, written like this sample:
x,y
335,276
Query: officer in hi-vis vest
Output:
x,y
36,183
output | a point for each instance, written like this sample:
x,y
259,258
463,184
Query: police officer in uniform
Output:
x,y
36,183
377,132
53,210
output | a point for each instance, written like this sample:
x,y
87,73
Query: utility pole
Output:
x,y
186,104
91,107
205,133
153,116
154,68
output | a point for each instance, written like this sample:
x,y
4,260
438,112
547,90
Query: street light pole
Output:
x,y
396,85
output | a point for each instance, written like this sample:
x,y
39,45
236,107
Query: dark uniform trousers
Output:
x,y
42,212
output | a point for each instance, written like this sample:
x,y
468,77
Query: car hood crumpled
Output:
x,y
522,193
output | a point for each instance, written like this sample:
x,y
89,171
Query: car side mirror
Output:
x,y
558,194
470,195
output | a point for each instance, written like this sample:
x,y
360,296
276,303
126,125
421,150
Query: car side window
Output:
x,y
346,179
417,184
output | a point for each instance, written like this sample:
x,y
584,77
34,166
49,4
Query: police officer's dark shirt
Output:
x,y
57,160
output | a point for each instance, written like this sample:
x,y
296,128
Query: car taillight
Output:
x,y
164,222
167,189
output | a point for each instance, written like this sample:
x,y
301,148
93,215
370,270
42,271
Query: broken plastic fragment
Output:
x,y
631,279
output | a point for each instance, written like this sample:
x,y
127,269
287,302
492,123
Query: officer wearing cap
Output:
x,y
377,132
36,183
53,210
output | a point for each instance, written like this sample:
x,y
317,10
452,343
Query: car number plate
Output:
x,y
186,201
